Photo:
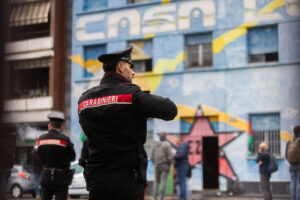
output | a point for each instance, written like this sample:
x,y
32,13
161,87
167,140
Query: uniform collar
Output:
x,y
54,131
113,77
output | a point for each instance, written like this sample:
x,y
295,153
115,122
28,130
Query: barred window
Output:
x,y
266,127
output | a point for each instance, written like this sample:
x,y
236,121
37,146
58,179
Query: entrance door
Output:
x,y
210,163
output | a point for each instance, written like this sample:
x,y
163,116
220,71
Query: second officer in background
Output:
x,y
56,152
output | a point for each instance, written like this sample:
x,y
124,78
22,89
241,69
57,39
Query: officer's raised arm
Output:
x,y
154,106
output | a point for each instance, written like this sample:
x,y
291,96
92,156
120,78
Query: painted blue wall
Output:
x,y
232,85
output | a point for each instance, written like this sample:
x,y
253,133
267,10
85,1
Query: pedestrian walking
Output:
x,y
263,159
292,154
114,116
162,157
37,168
181,165
56,152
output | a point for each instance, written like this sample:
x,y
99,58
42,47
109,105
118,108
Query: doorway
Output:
x,y
210,163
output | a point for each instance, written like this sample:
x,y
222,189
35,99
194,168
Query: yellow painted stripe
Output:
x,y
272,6
92,66
77,59
285,136
228,37
165,1
169,65
186,112
151,80
149,36
226,118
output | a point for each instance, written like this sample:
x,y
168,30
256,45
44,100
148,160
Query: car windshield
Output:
x,y
27,169
78,168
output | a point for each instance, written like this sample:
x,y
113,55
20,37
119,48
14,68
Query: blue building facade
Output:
x,y
231,66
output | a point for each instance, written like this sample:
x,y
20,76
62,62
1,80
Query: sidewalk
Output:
x,y
199,196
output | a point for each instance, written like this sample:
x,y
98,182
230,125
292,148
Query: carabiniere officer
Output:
x,y
114,116
56,152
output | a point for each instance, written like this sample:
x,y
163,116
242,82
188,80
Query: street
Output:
x,y
173,197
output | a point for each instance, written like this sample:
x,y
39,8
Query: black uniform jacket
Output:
x,y
114,116
55,150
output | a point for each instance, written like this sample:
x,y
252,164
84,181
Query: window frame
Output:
x,y
40,73
204,46
274,146
148,62
262,57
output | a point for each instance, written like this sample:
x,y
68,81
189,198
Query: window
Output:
x,y
29,78
150,136
22,156
266,127
26,23
142,55
92,4
198,50
143,65
139,1
263,44
92,53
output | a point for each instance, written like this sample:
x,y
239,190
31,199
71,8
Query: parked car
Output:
x,y
78,186
21,181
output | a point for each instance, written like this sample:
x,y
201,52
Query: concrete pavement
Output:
x,y
197,196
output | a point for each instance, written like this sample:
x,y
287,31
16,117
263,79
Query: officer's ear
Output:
x,y
120,68
49,126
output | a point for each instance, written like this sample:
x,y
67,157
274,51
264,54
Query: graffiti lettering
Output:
x,y
198,150
158,19
155,19
251,13
133,17
195,147
208,9
81,33
293,8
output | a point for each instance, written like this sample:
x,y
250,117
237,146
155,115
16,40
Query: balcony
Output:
x,y
30,104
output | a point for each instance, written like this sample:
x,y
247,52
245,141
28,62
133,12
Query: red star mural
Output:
x,y
202,128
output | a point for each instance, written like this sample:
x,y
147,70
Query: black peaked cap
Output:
x,y
124,55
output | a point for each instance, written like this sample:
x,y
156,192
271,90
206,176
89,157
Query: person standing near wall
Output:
x,y
56,152
37,168
263,159
162,157
292,155
181,165
114,116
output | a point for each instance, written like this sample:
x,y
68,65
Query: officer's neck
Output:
x,y
55,129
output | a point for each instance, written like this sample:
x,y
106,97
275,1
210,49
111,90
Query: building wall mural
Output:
x,y
224,94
